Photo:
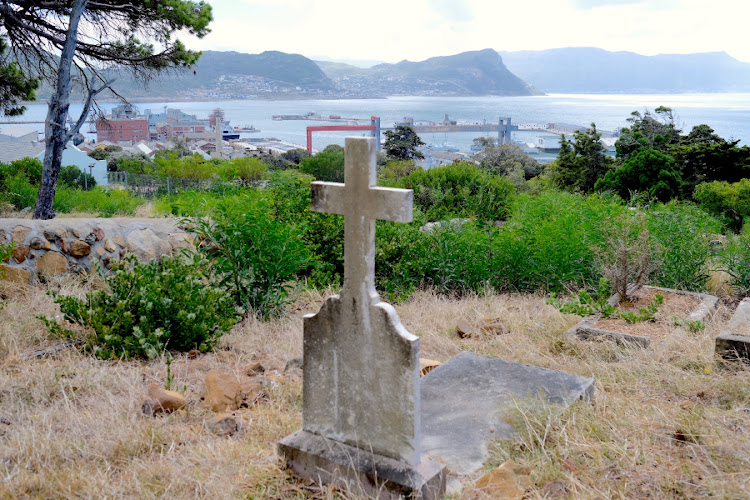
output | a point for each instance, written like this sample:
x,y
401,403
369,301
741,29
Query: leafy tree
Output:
x,y
402,143
15,85
53,37
327,165
730,202
103,153
647,171
505,158
74,177
703,156
296,155
581,163
654,131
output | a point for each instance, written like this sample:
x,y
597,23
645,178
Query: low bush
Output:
x,y
105,202
550,241
147,308
729,202
681,233
735,260
253,254
328,165
459,190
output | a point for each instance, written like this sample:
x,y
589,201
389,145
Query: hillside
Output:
x,y
592,70
469,73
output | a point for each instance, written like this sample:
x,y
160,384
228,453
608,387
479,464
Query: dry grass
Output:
x,y
667,422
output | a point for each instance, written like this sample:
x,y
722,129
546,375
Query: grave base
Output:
x,y
326,461
733,344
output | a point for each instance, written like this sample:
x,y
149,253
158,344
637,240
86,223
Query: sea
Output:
x,y
727,113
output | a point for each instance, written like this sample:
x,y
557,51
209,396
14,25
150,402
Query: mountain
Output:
x,y
228,75
592,70
469,73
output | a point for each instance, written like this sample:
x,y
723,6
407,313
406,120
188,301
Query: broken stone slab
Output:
x,y
585,330
466,399
734,342
358,471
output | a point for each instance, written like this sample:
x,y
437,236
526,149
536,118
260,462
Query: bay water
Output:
x,y
728,114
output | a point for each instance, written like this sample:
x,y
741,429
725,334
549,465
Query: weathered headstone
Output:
x,y
361,413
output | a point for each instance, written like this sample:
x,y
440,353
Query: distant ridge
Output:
x,y
597,71
479,72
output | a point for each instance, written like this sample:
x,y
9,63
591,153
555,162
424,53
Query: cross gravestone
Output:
x,y
361,413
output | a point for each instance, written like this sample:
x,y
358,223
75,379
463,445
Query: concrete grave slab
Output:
x,y
734,342
465,399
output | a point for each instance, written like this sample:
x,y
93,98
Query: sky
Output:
x,y
394,30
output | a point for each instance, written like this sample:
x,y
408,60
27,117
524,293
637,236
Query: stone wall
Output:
x,y
49,248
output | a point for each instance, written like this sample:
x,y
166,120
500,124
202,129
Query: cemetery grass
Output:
x,y
666,422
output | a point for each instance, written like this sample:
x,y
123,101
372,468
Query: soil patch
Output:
x,y
675,304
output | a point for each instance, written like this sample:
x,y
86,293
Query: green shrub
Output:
x,y
18,191
550,241
729,202
245,169
328,165
73,177
104,202
735,260
681,232
459,190
253,254
147,308
30,167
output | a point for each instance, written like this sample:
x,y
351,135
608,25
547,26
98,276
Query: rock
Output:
x,y
61,233
64,246
180,241
49,235
98,233
79,249
51,264
509,481
19,233
162,401
293,363
2,237
221,391
109,245
146,245
555,489
78,232
223,425
252,393
427,365
100,251
465,329
37,243
90,239
687,404
20,253
16,275
254,369
494,327
120,240
193,354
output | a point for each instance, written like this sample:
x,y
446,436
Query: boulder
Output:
x,y
146,245
427,365
15,275
79,249
465,328
51,264
162,401
509,481
20,253
221,391
109,245
252,393
223,425
19,233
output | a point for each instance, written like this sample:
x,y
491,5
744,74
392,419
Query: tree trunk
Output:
x,y
55,133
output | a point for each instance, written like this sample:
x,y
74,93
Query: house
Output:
x,y
12,151
18,133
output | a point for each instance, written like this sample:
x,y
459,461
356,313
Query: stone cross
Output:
x,y
361,366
